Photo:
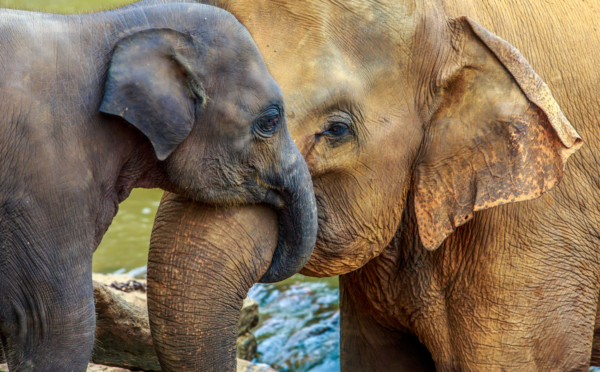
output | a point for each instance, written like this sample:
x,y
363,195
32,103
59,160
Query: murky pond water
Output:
x,y
125,245
299,330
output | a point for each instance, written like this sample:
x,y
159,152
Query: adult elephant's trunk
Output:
x,y
202,262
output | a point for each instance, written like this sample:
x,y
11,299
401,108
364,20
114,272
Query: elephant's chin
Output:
x,y
327,262
202,262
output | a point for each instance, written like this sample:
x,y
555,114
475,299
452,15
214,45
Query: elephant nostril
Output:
x,y
273,198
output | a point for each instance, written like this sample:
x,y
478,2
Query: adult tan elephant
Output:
x,y
421,127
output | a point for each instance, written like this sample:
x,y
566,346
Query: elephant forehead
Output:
x,y
293,34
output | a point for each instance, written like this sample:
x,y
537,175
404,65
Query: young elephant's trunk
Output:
x,y
202,262
297,216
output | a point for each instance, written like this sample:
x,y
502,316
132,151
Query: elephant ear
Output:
x,y
497,137
150,85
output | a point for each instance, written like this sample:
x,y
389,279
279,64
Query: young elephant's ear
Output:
x,y
497,137
152,87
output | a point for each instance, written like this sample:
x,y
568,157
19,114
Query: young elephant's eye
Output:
x,y
267,125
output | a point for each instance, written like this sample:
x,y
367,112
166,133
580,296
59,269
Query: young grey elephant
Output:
x,y
175,96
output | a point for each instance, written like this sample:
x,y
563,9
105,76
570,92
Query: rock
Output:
x,y
98,368
246,346
123,336
246,342
246,366
248,316
135,297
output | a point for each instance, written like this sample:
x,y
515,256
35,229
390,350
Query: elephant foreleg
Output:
x,y
595,361
366,345
47,316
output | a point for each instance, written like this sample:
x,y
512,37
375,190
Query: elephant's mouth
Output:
x,y
273,198
269,194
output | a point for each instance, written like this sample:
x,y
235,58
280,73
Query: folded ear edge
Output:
x,y
531,84
433,227
165,129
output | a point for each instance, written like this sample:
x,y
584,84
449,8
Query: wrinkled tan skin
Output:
x,y
514,288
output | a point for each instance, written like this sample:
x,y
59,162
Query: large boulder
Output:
x,y
123,336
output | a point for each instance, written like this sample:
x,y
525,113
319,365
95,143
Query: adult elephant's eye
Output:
x,y
337,129
267,125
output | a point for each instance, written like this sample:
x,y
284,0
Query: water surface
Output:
x,y
125,245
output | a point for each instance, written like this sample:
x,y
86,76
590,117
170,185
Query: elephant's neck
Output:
x,y
403,288
127,163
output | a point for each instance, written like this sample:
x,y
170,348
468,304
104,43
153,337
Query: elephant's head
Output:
x,y
396,106
216,120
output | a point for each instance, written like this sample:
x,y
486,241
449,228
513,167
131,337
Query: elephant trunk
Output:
x,y
297,216
202,262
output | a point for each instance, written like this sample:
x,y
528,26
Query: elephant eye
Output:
x,y
266,125
337,125
337,129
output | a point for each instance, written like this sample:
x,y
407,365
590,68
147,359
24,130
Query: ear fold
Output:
x,y
497,137
151,86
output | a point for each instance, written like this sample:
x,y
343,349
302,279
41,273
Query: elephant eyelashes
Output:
x,y
267,125
337,128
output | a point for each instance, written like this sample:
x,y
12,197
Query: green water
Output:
x,y
125,245
64,6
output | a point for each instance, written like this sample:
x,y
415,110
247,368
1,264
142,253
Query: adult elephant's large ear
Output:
x,y
151,85
497,137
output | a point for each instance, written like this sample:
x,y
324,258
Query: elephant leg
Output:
x,y
595,361
47,315
366,345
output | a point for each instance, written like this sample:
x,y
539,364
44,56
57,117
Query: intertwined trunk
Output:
x,y
202,262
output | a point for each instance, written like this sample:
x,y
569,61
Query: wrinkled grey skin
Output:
x,y
174,96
